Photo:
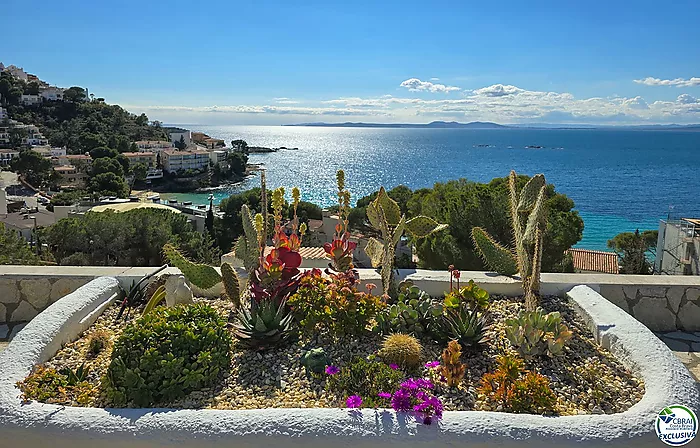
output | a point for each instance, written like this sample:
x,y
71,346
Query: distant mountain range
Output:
x,y
490,125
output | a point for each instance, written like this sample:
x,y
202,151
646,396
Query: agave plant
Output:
x,y
264,325
466,326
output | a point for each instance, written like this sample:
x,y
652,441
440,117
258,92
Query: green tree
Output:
x,y
74,95
462,205
103,151
124,162
632,248
106,165
133,238
139,171
32,88
14,249
240,145
109,184
181,144
159,162
237,162
32,166
16,137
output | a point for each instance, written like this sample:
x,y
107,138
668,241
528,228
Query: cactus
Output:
x,y
414,312
452,368
534,333
529,221
247,246
384,214
403,350
232,284
200,275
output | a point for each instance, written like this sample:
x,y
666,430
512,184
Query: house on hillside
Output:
x,y
30,100
174,161
51,93
147,158
71,177
153,146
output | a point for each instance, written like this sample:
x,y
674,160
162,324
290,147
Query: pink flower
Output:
x,y
456,273
432,364
332,370
394,366
354,401
370,287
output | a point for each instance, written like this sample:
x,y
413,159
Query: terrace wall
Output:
x,y
661,302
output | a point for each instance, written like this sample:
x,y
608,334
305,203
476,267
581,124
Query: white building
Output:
x,y
6,156
34,137
174,161
678,247
154,173
217,157
17,72
30,100
59,152
3,114
153,146
52,94
147,158
181,133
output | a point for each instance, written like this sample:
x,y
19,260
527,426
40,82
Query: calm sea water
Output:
x,y
619,180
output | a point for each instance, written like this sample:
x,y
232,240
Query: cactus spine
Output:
x,y
384,215
529,221
232,284
200,275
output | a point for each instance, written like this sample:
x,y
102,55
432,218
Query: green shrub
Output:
x,y
332,304
167,354
366,378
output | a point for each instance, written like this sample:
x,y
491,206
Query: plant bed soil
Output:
x,y
586,379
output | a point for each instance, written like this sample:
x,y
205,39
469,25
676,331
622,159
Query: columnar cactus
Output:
x,y
529,221
200,275
247,246
232,283
384,215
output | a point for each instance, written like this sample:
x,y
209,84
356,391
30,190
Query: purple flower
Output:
x,y
429,407
401,400
385,395
394,366
354,401
415,384
432,364
332,370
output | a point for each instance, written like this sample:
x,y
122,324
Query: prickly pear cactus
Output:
x,y
315,360
528,215
247,246
200,275
232,284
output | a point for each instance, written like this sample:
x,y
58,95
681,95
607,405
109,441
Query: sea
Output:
x,y
620,180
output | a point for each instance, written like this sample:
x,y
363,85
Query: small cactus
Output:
x,y
403,350
232,283
200,275
452,368
528,216
98,341
315,360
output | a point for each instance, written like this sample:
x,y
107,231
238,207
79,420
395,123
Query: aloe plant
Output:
x,y
265,325
535,333
385,216
529,221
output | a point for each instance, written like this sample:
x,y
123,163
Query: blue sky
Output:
x,y
272,62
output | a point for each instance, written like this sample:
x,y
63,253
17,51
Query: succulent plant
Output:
x,y
470,294
247,247
452,368
265,325
232,284
315,360
535,333
529,222
465,325
200,275
384,214
414,312
401,349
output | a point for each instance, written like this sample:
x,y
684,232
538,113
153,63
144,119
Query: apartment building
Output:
x,y
174,161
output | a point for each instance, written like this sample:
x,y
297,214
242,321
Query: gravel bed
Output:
x,y
586,379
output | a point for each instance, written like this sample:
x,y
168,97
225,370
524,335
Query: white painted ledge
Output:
x,y
35,424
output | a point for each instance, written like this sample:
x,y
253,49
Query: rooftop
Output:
x,y
22,220
595,261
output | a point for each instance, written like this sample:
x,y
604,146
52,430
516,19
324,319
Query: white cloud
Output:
x,y
687,99
416,85
498,90
678,82
284,100
635,103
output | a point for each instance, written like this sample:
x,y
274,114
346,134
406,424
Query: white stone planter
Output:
x,y
35,424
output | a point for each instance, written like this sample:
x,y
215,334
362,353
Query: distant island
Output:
x,y
491,125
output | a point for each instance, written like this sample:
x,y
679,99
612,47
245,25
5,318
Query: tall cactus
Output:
x,y
200,275
529,221
247,246
232,283
385,215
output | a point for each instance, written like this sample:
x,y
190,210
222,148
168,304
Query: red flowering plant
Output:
x,y
277,277
339,251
